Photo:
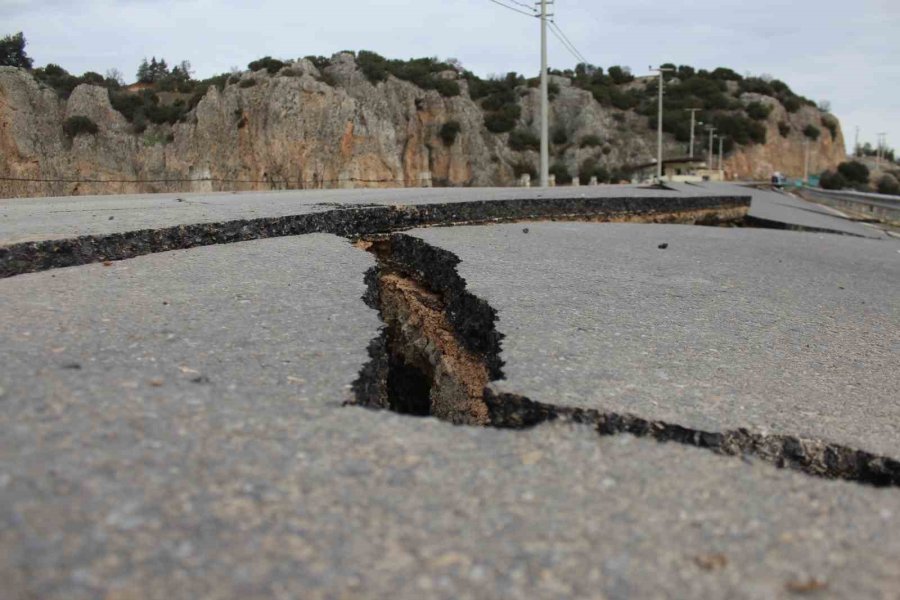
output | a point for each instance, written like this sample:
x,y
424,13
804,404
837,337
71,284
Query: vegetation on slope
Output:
x,y
167,95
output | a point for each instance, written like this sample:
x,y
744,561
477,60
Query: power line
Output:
x,y
513,8
566,42
577,52
528,6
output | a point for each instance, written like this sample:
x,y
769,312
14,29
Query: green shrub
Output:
x,y
591,168
552,90
449,131
12,52
161,113
79,125
247,83
127,104
888,184
831,180
784,129
620,75
291,73
559,136
144,107
272,65
812,132
64,83
523,139
725,74
792,104
422,72
563,177
854,172
606,150
758,111
498,123
447,87
373,66
503,120
591,141
319,62
618,117
499,100
740,129
624,100
831,124
154,139
482,88
92,78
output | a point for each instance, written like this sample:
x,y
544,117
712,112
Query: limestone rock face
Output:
x,y
302,128
787,153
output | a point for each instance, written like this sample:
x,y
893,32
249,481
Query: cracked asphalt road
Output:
x,y
35,219
172,427
780,332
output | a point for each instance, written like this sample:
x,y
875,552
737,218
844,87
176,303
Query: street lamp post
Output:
x,y
545,110
721,142
806,161
659,122
712,131
693,112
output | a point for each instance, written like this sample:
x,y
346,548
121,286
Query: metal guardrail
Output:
x,y
874,206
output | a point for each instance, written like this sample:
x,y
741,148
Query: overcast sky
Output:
x,y
844,52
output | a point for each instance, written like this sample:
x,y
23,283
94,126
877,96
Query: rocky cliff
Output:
x,y
787,147
303,127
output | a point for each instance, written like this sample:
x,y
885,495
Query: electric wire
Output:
x,y
528,6
513,8
564,40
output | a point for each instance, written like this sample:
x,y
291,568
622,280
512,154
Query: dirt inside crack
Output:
x,y
423,369
431,374
439,350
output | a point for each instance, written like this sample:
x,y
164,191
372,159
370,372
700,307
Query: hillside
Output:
x,y
361,120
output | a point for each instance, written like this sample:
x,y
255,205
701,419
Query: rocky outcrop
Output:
x,y
301,128
786,152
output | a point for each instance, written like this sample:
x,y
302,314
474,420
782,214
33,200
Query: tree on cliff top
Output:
x,y
153,71
12,52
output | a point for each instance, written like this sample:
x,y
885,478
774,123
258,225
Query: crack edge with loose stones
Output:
x,y
467,330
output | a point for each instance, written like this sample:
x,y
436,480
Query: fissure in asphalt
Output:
x,y
440,348
30,257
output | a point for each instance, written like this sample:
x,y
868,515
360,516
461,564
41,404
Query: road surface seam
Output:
x,y
29,257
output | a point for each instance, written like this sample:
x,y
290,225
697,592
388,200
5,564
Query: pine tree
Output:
x,y
143,72
12,52
162,70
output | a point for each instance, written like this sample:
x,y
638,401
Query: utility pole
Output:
x,y
881,148
693,112
659,123
806,161
712,131
856,151
545,103
721,142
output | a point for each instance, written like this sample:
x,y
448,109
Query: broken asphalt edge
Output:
x,y
353,222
